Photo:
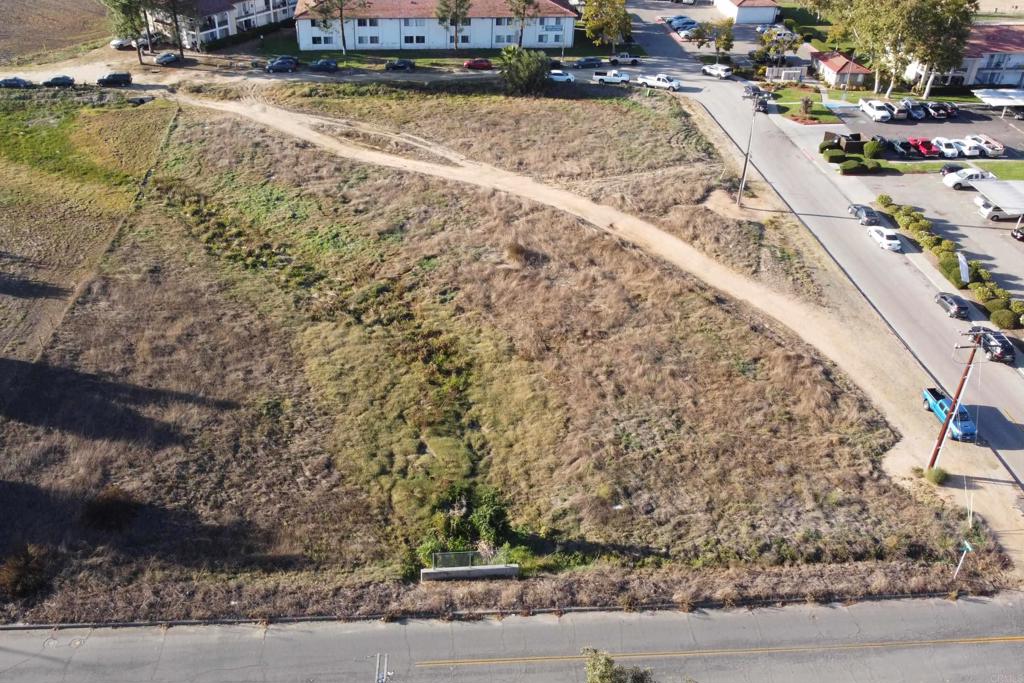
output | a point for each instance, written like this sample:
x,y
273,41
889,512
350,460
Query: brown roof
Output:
x,y
988,38
839,63
427,9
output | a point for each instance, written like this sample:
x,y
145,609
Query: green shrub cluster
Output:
x,y
871,166
1005,319
827,145
987,291
851,167
834,156
463,515
884,201
872,149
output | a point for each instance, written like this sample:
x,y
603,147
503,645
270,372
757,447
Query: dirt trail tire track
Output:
x,y
856,341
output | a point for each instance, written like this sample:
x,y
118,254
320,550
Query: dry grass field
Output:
x,y
45,28
292,377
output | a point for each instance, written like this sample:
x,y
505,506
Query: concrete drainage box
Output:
x,y
487,571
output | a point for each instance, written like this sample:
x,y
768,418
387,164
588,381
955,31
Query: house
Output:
x,y
413,25
749,11
838,70
218,19
994,56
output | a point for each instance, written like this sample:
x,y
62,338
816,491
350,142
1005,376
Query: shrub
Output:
x,y
922,226
1005,319
936,475
945,247
827,145
790,24
927,241
993,305
835,156
950,268
980,273
761,73
872,149
24,571
884,200
525,71
112,509
850,167
1017,306
871,166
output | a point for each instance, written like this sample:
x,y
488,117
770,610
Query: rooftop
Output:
x,y
427,9
989,38
839,63
754,3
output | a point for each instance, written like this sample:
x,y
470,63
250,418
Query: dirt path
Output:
x,y
851,336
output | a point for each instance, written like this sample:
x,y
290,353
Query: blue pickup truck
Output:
x,y
961,427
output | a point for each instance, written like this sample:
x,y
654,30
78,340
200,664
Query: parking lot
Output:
x,y
744,35
1008,131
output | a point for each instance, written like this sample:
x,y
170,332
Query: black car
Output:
x,y
904,149
761,104
1017,234
283,64
994,343
954,306
950,168
750,91
325,65
59,82
555,64
15,83
118,79
400,65
167,58
587,63
865,215
952,111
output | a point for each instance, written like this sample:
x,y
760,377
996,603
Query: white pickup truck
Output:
x,y
610,77
875,110
660,81
624,58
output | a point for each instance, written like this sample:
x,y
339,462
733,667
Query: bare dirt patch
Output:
x,y
32,27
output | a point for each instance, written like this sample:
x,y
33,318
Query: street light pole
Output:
x,y
746,155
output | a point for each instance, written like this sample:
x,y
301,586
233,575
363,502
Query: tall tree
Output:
x,y
328,10
451,14
723,38
127,19
525,71
606,21
522,10
939,44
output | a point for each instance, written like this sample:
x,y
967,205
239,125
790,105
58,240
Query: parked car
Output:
x,y
117,79
121,43
886,238
961,427
990,211
282,65
865,215
1017,234
989,146
924,146
15,83
913,108
399,65
966,148
716,70
478,64
761,28
587,63
761,104
904,149
324,65
875,110
624,58
895,111
950,168
750,91
946,147
59,82
679,24
559,76
663,81
555,64
688,32
935,110
965,177
167,58
952,110
612,76
994,344
953,305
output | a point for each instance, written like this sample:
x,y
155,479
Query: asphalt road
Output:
x,y
901,287
974,640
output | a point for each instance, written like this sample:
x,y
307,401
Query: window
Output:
x,y
414,22
366,22
467,22
408,40
542,38
420,40
499,39
451,39
360,22
374,40
361,40
317,40
328,40
542,21
463,38
557,38
509,38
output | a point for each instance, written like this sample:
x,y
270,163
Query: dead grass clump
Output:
x,y
112,509
24,571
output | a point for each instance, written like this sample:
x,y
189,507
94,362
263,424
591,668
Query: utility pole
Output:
x,y
746,155
954,407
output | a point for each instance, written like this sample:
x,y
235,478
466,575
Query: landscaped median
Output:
x,y
854,156
790,103
1004,312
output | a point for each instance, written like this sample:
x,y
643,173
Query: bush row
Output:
x,y
848,165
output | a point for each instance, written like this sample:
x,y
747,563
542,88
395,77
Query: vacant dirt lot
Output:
x,y
295,376
30,27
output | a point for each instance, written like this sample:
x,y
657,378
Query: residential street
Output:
x,y
978,640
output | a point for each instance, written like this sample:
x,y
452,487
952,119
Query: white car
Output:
x,y
561,76
716,70
886,238
992,212
688,32
121,43
612,76
946,147
875,110
992,148
761,28
965,177
663,81
967,148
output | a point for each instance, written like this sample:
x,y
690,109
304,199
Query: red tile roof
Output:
x,y
837,62
996,38
426,9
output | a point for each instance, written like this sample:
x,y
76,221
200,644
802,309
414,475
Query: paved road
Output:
x,y
924,640
900,287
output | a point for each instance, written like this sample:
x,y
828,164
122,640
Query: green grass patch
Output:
x,y
788,102
1005,170
902,167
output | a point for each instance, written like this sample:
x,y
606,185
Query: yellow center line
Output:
x,y
540,659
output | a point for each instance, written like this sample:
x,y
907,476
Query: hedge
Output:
x,y
884,200
949,266
1006,320
834,156
851,167
1017,306
993,305
826,145
872,149
871,166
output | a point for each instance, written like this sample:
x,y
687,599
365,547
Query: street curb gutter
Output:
x,y
999,457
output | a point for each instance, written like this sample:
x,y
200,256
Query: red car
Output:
x,y
478,63
924,146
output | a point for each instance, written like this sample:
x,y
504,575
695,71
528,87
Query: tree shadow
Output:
x,y
546,546
89,404
23,288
